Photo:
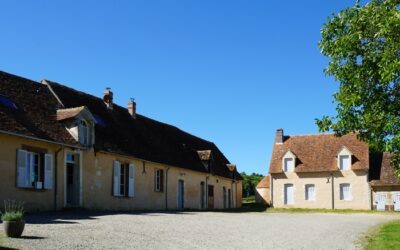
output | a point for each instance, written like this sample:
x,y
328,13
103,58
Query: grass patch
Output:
x,y
387,236
250,199
2,239
338,211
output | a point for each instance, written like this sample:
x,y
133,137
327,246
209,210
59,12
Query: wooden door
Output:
x,y
289,199
396,201
181,194
381,202
210,197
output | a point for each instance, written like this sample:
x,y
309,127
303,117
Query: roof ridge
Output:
x,y
319,134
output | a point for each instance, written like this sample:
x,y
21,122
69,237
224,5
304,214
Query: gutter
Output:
x,y
166,188
271,190
42,140
56,177
333,190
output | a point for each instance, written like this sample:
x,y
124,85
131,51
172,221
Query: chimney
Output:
x,y
108,98
132,108
279,136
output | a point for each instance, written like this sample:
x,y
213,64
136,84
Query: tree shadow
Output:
x,y
7,248
32,238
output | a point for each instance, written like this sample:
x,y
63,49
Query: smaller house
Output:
x,y
330,172
263,191
385,185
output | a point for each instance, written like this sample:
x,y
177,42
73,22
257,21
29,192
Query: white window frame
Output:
x,y
344,153
343,196
286,165
287,157
83,129
309,197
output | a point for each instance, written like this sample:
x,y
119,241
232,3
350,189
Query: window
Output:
x,y
123,179
288,164
344,162
310,192
7,102
159,180
345,192
83,132
34,170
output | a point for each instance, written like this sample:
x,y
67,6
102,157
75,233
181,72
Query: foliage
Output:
x,y
13,211
250,182
249,200
387,237
363,44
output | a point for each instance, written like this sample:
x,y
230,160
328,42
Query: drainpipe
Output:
x,y
207,192
333,190
271,190
166,189
56,178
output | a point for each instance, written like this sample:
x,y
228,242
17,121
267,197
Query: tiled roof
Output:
x,y
64,114
382,172
318,153
35,115
143,137
116,130
265,182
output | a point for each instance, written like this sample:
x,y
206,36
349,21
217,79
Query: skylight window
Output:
x,y
100,121
7,102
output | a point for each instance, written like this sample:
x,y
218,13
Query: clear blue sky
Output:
x,y
230,71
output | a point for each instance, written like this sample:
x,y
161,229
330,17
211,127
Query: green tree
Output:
x,y
249,183
363,45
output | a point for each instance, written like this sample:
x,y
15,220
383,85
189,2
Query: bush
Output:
x,y
13,211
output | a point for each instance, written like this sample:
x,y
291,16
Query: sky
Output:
x,y
231,72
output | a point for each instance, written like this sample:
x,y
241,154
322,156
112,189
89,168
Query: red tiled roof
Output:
x,y
318,153
382,172
265,182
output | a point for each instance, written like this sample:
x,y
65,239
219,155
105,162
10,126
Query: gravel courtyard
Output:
x,y
194,230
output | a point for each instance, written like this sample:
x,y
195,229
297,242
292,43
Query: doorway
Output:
x,y
381,202
181,194
396,201
210,197
72,180
289,199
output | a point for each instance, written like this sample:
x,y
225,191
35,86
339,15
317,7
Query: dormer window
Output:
x,y
80,124
83,132
344,159
288,162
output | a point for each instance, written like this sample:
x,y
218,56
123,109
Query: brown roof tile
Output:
x,y
35,115
265,182
382,172
318,153
143,137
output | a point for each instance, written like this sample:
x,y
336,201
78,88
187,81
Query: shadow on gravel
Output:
x,y
7,248
32,238
73,216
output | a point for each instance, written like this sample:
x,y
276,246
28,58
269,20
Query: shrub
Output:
x,y
13,211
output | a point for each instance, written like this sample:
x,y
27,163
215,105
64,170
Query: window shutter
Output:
x,y
48,171
161,180
131,185
22,160
116,177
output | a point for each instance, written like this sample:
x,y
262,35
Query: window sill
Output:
x,y
33,189
121,197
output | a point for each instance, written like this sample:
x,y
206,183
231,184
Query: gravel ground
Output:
x,y
194,230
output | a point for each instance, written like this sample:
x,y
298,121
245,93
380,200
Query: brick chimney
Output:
x,y
132,108
108,98
279,136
